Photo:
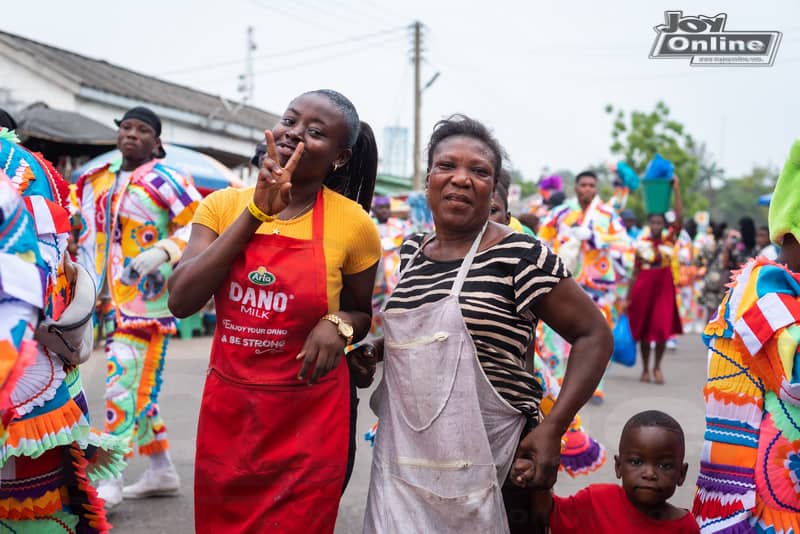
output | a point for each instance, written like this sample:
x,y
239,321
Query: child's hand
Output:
x,y
521,472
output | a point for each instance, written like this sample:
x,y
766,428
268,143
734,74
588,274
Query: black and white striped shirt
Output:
x,y
503,284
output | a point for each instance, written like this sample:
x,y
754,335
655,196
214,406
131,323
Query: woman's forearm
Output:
x,y
586,364
206,263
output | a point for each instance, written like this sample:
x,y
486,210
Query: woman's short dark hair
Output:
x,y
356,178
461,125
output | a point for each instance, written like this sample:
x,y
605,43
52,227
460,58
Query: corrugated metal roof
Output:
x,y
106,77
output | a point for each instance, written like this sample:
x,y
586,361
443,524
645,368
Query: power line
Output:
x,y
209,66
293,16
322,59
383,12
336,14
319,59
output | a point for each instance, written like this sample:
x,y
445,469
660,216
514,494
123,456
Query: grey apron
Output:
x,y
447,439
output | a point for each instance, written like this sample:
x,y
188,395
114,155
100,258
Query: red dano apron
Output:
x,y
271,450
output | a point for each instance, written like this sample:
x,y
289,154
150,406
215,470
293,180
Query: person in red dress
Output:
x,y
650,465
652,303
291,264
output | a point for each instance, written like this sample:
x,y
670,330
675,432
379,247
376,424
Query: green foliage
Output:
x,y
739,197
637,136
527,187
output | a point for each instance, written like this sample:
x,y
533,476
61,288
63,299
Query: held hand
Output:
x,y
274,185
149,260
676,183
538,458
323,350
362,362
71,272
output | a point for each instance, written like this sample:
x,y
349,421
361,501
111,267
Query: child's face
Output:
x,y
499,213
650,464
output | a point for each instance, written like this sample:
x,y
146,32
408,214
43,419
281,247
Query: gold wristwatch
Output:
x,y
344,329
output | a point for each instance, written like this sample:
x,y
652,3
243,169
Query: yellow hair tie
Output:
x,y
256,212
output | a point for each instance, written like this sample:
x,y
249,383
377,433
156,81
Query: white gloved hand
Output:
x,y
149,260
580,233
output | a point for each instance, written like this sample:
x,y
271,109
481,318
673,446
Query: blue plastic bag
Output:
x,y
659,168
624,344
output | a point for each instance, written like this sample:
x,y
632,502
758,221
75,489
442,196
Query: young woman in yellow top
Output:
x,y
291,265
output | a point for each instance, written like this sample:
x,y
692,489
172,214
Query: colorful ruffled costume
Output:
x,y
21,298
123,215
581,454
392,233
598,265
750,466
50,453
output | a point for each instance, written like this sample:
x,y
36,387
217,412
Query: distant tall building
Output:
x,y
395,151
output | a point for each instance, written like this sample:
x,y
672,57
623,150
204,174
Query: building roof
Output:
x,y
42,122
108,78
386,184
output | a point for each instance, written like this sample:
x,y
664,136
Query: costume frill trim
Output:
x,y
25,358
151,380
164,325
49,503
106,456
715,516
84,500
587,459
33,437
772,521
39,384
58,184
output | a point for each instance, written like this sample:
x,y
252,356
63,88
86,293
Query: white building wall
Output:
x,y
172,131
20,86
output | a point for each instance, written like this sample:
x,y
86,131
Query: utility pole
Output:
x,y
247,79
417,58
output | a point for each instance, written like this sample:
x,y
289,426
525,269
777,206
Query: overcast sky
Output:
x,y
539,76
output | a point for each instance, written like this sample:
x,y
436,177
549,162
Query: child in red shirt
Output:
x,y
650,464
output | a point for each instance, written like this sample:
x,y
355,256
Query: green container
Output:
x,y
657,195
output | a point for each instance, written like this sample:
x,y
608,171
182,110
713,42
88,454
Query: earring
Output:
x,y
335,166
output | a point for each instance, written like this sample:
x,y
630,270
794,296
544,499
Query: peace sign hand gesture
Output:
x,y
274,185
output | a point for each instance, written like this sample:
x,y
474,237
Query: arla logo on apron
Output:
x,y
261,277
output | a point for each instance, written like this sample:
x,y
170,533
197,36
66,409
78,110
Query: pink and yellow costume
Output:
x,y
593,243
123,215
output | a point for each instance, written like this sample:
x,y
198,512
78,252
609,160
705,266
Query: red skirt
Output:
x,y
653,310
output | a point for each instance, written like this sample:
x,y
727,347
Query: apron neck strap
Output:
x,y
467,262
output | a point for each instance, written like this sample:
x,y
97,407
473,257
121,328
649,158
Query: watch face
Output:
x,y
345,329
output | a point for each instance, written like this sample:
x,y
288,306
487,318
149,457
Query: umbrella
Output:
x,y
764,200
208,173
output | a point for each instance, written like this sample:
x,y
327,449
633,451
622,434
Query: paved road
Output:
x,y
180,399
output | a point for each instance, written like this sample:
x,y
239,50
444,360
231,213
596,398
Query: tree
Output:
x,y
739,196
637,136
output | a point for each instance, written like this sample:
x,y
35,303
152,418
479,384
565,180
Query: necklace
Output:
x,y
276,231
